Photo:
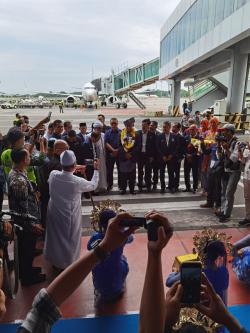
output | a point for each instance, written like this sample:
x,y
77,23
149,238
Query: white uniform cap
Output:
x,y
97,123
67,158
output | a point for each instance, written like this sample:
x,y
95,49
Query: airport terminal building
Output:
x,y
208,41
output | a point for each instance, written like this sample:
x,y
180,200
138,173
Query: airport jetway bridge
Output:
x,y
136,77
147,73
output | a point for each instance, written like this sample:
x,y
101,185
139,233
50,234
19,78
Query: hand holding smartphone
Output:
x,y
191,282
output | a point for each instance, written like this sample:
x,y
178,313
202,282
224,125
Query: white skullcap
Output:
x,y
67,158
97,123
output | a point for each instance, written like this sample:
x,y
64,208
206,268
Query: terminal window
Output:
x,y
200,18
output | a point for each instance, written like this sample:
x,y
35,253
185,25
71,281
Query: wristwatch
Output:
x,y
101,253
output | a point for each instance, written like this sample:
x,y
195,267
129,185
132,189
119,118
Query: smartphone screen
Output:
x,y
191,282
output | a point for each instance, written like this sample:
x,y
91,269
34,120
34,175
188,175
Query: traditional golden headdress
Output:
x,y
203,238
103,205
193,316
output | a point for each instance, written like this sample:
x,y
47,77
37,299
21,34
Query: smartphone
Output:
x,y
49,114
191,282
133,222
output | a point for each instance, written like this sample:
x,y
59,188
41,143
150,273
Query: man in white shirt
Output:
x,y
64,217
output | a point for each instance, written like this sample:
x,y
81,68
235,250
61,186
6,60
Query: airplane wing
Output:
x,y
64,94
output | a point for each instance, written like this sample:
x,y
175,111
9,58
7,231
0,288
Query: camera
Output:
x,y
220,138
242,145
89,162
150,225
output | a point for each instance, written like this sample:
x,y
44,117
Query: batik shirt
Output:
x,y
22,197
42,316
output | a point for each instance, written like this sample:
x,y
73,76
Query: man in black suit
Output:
x,y
146,153
155,165
83,132
176,128
167,150
76,145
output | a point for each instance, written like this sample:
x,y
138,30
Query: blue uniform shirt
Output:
x,y
113,138
109,275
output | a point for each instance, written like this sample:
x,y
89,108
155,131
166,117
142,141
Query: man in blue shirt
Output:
x,y
112,139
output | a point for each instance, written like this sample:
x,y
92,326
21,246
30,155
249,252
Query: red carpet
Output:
x,y
81,303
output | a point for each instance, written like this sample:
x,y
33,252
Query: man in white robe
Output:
x,y
100,153
64,218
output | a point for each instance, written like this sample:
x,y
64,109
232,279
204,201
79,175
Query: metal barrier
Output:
x,y
154,114
240,120
176,111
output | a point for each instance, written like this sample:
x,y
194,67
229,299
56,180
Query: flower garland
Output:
x,y
128,139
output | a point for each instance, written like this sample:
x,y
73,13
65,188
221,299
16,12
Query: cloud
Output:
x,y
56,44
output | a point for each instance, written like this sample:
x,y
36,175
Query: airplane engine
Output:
x,y
70,100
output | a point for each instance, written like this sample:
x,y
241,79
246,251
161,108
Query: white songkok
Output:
x,y
67,158
97,123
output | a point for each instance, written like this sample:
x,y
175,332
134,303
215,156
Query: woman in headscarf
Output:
x,y
213,128
203,130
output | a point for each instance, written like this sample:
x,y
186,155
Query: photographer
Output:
x,y
158,314
244,158
215,172
45,308
232,168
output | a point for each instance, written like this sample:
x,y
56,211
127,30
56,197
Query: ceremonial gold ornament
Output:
x,y
105,204
128,139
203,238
193,316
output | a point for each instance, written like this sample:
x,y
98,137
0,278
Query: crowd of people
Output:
x,y
34,172
45,172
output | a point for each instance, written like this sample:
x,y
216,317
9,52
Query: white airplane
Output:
x,y
89,96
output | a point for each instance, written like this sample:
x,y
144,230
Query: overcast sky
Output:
x,y
61,44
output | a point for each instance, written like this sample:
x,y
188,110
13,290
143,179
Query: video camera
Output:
x,y
220,137
89,161
4,237
242,145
